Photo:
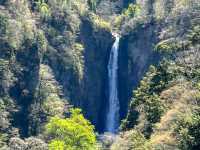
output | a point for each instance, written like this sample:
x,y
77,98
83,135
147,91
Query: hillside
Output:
x,y
57,56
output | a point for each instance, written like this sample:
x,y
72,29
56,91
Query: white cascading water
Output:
x,y
112,119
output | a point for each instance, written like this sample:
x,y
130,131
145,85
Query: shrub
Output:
x,y
3,24
74,133
57,145
118,21
34,143
154,108
132,10
194,35
78,57
100,23
3,140
30,143
43,8
145,100
188,129
41,41
133,140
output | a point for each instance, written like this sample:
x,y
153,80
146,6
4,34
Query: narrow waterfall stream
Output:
x,y
112,118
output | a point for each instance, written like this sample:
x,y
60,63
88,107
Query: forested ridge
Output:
x,y
55,57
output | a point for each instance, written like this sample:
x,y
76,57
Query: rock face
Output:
x,y
136,54
88,92
97,45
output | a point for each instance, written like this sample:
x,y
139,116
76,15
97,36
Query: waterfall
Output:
x,y
112,118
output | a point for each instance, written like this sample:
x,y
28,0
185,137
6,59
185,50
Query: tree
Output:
x,y
57,145
188,129
92,4
132,10
73,133
43,8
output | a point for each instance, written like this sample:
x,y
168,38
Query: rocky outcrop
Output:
x,y
136,54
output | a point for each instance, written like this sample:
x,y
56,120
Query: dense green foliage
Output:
x,y
43,8
188,129
132,10
3,24
74,133
133,140
147,95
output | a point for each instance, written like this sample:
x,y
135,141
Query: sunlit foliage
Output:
x,y
74,133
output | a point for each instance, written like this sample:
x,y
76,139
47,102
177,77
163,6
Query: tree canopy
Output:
x,y
73,133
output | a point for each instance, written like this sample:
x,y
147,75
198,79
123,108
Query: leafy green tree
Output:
x,y
154,108
188,129
57,145
43,8
73,133
132,10
146,99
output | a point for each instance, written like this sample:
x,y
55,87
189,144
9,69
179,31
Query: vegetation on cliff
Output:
x,y
53,60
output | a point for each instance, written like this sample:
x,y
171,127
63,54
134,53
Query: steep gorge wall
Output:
x,y
63,33
136,55
94,85
157,20
88,91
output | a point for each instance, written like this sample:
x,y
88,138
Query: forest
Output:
x,y
99,74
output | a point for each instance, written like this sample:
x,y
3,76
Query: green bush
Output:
x,y
74,133
132,10
3,24
194,35
57,145
145,100
98,22
3,140
78,58
188,128
154,108
43,8
133,140
41,41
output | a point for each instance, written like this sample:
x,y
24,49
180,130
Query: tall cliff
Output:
x,y
54,55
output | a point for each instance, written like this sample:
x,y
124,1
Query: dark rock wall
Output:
x,y
89,92
136,54
97,44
